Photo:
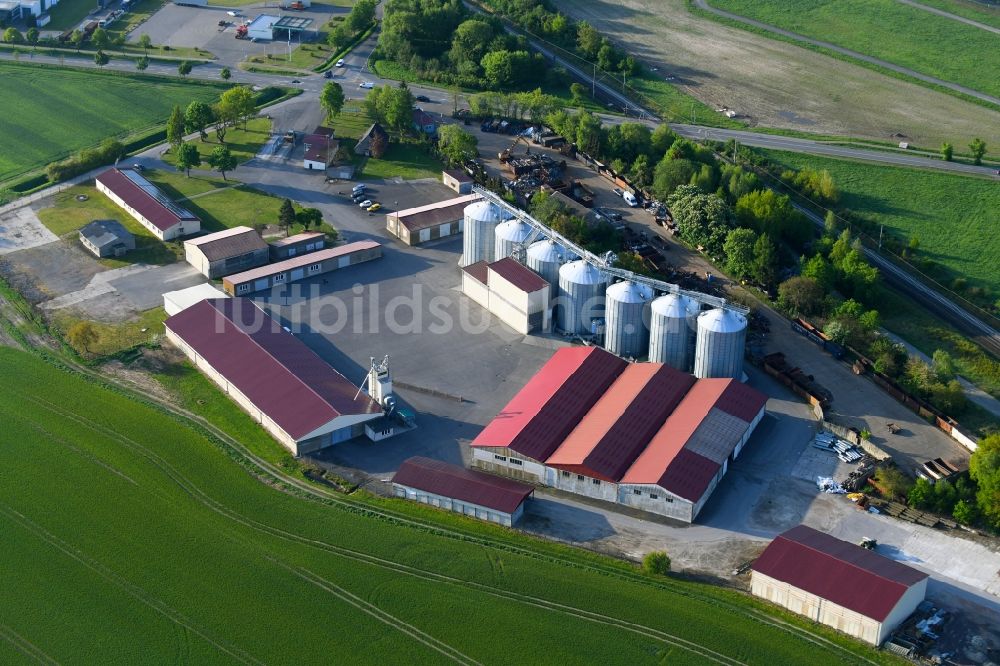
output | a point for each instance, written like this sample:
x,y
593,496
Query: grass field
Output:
x,y
117,515
970,9
888,30
781,85
112,338
243,144
69,13
953,216
67,215
405,160
50,112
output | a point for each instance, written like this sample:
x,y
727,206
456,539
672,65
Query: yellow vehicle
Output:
x,y
374,207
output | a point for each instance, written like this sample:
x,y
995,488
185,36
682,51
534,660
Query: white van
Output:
x,y
630,199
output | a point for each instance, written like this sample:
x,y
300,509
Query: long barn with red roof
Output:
x,y
641,434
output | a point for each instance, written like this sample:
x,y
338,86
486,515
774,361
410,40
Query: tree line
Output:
x,y
236,106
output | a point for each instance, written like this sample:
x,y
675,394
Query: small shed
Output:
x,y
461,490
457,180
107,238
182,299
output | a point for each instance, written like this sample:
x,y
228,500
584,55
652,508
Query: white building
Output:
x,y
517,295
440,219
149,205
262,27
182,299
226,252
836,583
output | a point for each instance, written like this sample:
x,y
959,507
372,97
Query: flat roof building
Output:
x,y
836,583
457,180
148,204
462,490
285,386
642,435
512,292
226,252
300,267
441,219
291,246
107,238
182,299
262,27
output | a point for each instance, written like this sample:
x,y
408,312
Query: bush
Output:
x,y
87,159
656,562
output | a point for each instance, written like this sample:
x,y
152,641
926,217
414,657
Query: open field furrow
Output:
x,y
24,646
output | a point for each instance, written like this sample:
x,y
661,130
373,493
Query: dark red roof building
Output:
x,y
838,583
642,434
284,385
147,203
462,490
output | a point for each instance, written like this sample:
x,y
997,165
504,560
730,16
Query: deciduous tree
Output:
x,y
947,150
456,145
100,39
309,217
184,68
141,63
197,117
978,149
801,296
175,127
331,99
226,74
188,158
13,36
145,42
82,335
101,59
222,160
738,249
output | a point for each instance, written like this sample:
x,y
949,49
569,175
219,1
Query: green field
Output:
x,y
954,217
51,112
118,516
970,9
888,30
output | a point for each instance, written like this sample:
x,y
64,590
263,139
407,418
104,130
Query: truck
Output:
x,y
241,32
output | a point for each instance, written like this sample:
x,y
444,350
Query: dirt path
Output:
x,y
779,84
949,15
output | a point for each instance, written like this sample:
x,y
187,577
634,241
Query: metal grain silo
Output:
x,y
479,237
722,336
545,257
581,296
625,312
673,326
508,234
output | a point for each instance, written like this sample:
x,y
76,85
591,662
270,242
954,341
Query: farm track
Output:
x,y
24,646
355,505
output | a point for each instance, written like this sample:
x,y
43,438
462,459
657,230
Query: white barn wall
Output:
x,y
458,506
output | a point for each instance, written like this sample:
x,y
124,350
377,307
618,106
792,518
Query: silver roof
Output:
x,y
629,292
581,272
513,230
675,306
483,211
722,321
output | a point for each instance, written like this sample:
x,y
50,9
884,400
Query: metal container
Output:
x,y
673,326
581,297
507,235
479,237
626,311
722,336
545,257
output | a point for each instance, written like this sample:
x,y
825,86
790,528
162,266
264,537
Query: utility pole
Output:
x,y
881,228
593,82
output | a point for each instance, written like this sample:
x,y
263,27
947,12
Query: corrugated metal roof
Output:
x,y
296,238
147,199
299,261
536,421
431,215
838,571
228,243
276,371
441,478
741,401
518,275
620,425
478,270
105,232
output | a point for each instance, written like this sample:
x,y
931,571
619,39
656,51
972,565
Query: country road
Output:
x,y
703,4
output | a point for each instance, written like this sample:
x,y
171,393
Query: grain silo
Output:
x,y
581,297
545,257
673,326
626,308
481,220
507,235
722,336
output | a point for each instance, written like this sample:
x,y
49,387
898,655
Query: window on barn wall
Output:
x,y
516,461
499,457
579,477
653,496
596,482
636,491
565,473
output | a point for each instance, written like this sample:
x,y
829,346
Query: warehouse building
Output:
x,y
305,242
438,220
301,267
285,386
148,204
837,583
642,435
107,238
461,490
182,299
226,252
512,292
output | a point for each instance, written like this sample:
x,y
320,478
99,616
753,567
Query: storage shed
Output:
x,y
512,292
297,244
433,221
107,238
836,583
457,180
464,491
301,267
182,299
226,252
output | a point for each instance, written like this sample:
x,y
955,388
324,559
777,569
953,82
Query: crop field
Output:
x,y
118,515
953,216
780,85
888,30
50,112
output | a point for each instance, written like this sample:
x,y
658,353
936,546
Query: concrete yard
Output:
x,y
21,230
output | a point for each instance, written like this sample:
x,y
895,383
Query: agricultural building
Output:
x,y
148,204
226,252
286,387
511,291
182,299
462,490
292,246
301,267
423,122
438,220
457,180
643,435
364,144
107,238
854,590
320,150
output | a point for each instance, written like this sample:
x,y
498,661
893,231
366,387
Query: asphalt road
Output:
x,y
702,4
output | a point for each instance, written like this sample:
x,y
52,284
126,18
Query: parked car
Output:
x,y
138,167
328,74
618,191
340,63
422,98
368,85
234,12
366,203
360,187
359,197
374,207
